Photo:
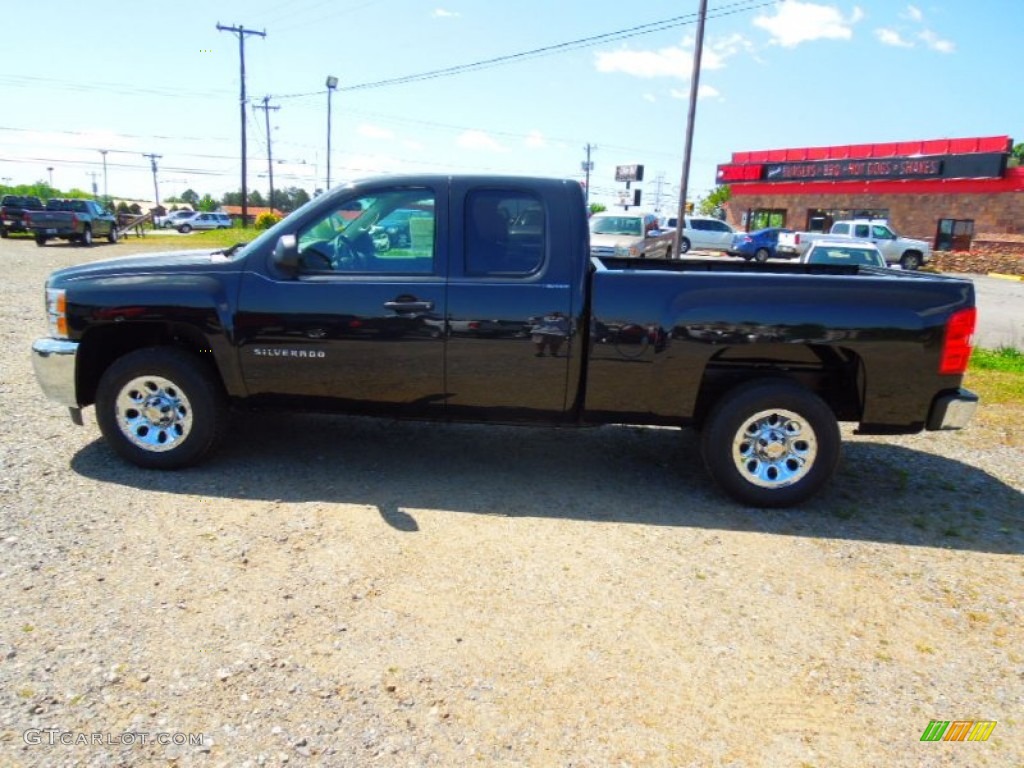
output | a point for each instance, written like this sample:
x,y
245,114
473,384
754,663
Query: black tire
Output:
x,y
911,260
3,232
185,414
85,239
795,452
761,255
112,235
185,229
684,245
40,241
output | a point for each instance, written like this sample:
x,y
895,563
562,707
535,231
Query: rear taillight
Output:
x,y
796,238
956,347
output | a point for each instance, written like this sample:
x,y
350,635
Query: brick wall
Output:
x,y
914,215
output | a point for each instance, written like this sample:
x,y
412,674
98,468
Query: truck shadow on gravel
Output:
x,y
882,492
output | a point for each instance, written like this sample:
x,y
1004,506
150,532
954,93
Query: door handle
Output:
x,y
424,306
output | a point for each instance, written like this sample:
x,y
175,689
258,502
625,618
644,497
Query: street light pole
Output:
x,y
105,196
49,170
332,84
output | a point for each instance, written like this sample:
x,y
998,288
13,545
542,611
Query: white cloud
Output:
x,y
412,144
914,13
934,42
441,13
480,141
649,97
796,22
673,61
893,38
535,140
375,131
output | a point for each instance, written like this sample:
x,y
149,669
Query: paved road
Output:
x,y
1000,312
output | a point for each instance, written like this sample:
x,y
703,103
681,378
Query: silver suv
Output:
x,y
203,220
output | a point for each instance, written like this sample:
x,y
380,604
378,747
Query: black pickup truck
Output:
x,y
75,220
474,319
14,210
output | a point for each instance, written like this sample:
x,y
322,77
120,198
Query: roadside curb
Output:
x,y
1002,276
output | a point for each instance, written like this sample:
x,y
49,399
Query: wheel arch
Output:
x,y
834,375
100,347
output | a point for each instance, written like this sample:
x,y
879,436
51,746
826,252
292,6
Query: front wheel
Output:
x,y
185,229
40,241
160,408
112,235
684,245
771,443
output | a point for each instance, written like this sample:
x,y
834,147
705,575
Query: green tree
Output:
x,y
189,196
597,208
255,198
1016,155
232,198
207,203
713,204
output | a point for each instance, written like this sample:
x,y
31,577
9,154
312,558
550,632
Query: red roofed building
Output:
x,y
957,194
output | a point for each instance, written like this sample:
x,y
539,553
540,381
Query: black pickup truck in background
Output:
x,y
474,319
13,210
79,221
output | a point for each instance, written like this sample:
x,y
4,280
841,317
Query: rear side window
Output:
x,y
841,229
504,232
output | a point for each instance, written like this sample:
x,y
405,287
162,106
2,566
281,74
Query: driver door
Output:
x,y
361,322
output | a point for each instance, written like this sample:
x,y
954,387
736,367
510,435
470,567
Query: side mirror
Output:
x,y
286,253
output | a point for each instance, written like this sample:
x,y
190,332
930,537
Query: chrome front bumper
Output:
x,y
54,363
952,410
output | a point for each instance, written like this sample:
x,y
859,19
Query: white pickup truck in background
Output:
x,y
908,253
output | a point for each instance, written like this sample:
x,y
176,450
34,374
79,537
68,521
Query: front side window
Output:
x,y
388,231
505,232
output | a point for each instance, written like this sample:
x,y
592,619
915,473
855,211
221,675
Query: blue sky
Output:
x,y
162,79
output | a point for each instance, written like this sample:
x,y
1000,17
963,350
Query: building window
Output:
x,y
954,235
762,218
821,219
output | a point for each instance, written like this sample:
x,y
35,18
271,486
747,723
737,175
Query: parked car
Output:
x,y
203,220
396,226
627,234
173,219
758,245
705,233
13,210
843,252
905,251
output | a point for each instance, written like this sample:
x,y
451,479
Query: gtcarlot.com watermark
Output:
x,y
52,737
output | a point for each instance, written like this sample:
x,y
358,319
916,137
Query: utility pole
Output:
x,y
270,158
93,174
242,32
698,47
588,166
156,191
106,197
332,84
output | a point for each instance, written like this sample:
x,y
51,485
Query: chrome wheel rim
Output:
x,y
774,448
153,413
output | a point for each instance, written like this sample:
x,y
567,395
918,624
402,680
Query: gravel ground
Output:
x,y
344,592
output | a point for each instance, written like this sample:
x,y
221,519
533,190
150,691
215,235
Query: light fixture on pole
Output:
x,y
332,84
49,169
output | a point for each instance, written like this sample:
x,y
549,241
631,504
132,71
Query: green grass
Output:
x,y
1005,359
997,375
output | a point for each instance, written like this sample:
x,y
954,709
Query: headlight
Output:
x,y
621,251
57,312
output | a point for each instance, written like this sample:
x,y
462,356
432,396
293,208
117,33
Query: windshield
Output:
x,y
616,225
846,255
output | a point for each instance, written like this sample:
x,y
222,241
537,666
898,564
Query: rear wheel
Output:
x,y
911,260
160,408
684,245
40,240
771,443
85,239
761,255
